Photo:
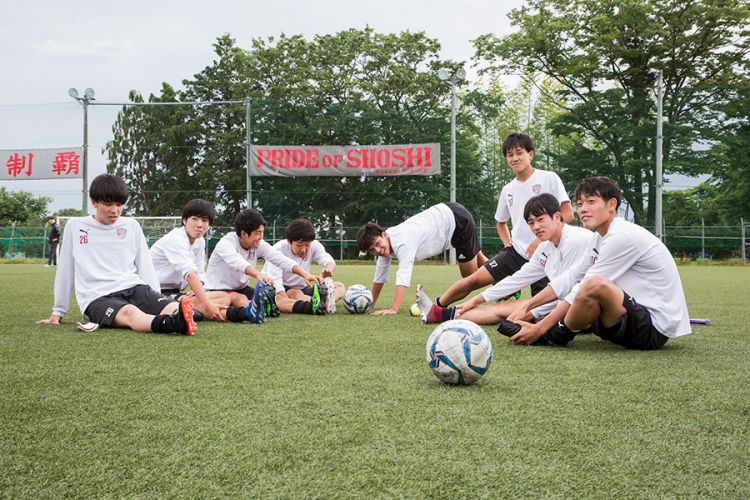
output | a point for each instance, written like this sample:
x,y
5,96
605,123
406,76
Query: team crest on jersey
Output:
x,y
121,232
536,188
510,200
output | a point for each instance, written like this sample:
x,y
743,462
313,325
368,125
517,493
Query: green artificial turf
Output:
x,y
345,406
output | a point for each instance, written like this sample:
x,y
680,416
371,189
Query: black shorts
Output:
x,y
634,330
104,309
507,262
307,290
464,238
246,291
172,293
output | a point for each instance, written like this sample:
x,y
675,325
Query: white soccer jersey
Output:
x,y
175,257
226,267
99,259
641,266
513,199
547,261
281,279
419,237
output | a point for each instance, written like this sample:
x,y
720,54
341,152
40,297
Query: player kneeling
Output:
x,y
293,295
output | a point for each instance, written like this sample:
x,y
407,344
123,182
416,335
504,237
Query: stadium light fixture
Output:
x,y
88,96
452,79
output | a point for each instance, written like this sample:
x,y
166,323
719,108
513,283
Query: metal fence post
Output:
x,y
480,233
341,241
703,240
742,230
44,246
12,235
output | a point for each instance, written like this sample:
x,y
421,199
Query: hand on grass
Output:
x,y
52,320
384,312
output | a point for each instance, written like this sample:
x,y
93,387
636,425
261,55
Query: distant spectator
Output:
x,y
54,239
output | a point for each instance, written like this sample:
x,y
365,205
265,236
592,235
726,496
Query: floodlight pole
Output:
x,y
248,138
84,199
453,80
88,96
659,167
453,141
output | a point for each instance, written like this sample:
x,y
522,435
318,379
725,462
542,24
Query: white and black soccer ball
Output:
x,y
459,352
357,299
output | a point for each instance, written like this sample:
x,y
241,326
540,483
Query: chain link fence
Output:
x,y
697,242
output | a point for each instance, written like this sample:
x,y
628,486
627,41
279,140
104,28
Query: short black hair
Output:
x,y
537,206
600,186
367,234
515,140
248,220
199,208
300,230
109,188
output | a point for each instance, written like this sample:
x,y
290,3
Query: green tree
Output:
x,y
351,87
606,55
733,179
22,208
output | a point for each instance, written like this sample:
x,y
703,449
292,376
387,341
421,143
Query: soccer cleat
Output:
x,y
508,328
272,310
512,296
559,335
256,309
318,300
185,323
330,295
434,315
424,302
197,315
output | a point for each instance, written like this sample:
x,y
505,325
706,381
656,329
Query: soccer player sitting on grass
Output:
x,y
625,287
106,259
518,150
233,262
561,246
179,258
421,236
293,295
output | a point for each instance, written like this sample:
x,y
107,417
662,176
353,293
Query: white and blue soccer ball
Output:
x,y
357,299
459,352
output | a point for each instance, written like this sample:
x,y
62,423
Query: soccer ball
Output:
x,y
357,299
459,352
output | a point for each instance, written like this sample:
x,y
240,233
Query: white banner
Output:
x,y
25,164
335,161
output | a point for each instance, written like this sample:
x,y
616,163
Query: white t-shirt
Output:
x,y
99,259
641,266
175,257
281,279
548,261
419,237
226,267
513,199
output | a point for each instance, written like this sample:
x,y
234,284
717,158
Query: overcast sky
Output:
x,y
49,46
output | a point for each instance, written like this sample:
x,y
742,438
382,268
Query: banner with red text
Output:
x,y
24,164
299,161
